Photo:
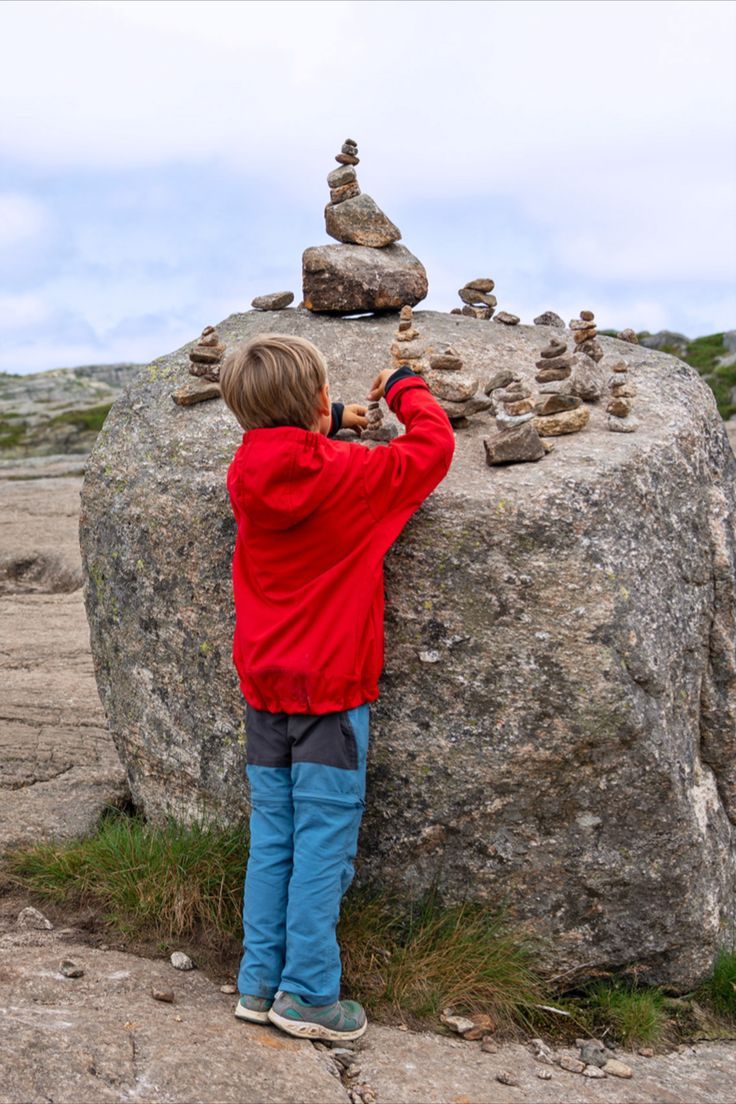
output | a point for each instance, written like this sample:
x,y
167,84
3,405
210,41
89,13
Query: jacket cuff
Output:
x,y
403,372
336,422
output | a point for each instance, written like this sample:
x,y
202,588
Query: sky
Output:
x,y
161,163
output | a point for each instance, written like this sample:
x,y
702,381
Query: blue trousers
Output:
x,y
307,788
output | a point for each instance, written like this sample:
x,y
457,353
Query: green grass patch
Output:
x,y
636,1016
85,418
719,991
11,432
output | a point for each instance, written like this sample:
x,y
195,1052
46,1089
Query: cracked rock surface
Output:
x,y
572,750
58,765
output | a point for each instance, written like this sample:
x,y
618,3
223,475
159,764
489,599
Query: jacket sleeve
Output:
x,y
400,475
336,418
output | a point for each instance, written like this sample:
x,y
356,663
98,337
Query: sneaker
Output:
x,y
254,1009
342,1020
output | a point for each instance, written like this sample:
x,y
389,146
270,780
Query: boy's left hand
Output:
x,y
354,417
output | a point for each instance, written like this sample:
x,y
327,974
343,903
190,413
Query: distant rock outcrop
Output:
x,y
557,721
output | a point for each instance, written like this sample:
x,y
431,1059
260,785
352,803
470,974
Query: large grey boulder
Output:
x,y
557,723
348,279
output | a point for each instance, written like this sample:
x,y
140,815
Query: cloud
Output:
x,y
22,220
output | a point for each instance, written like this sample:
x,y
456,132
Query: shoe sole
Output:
x,y
305,1030
251,1015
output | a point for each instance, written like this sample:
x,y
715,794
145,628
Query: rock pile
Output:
x,y
454,388
517,439
204,363
477,299
560,411
368,271
376,430
620,418
585,335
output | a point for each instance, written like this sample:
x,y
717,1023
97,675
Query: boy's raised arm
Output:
x,y
400,475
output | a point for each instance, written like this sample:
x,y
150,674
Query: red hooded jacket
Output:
x,y
315,518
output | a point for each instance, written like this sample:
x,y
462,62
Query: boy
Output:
x,y
315,518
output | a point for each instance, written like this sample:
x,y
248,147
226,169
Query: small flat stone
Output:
x,y
549,318
553,350
593,1071
505,1077
556,404
484,284
587,316
70,969
573,1065
619,406
622,425
408,350
166,996
544,1075
593,1053
578,325
617,1069
181,961
553,362
620,387
482,1024
347,191
459,1024
435,657
567,421
646,1052
507,319
556,387
448,361
522,406
276,300
229,990
544,375
488,1045
349,146
501,378
477,405
513,393
483,313
196,391
620,367
202,354
508,421
517,445
31,918
347,159
475,298
338,178
455,386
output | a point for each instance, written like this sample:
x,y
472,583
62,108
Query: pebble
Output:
x,y
555,404
32,918
620,366
507,319
523,406
509,421
181,961
276,300
544,1075
646,1052
617,1069
488,1045
460,1024
499,379
546,375
70,969
230,990
347,191
434,657
506,1078
630,336
483,284
574,1065
542,1052
344,1056
593,1071
619,406
587,316
164,995
593,1053
482,1024
484,313
567,421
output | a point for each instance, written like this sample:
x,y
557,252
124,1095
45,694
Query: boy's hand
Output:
x,y
354,417
376,391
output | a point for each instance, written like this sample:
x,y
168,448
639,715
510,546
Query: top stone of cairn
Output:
x,y
351,217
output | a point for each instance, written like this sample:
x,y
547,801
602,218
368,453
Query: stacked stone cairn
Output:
x,y
454,388
477,300
368,271
585,335
620,418
517,440
559,411
204,363
628,335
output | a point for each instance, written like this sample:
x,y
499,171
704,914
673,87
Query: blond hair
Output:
x,y
274,380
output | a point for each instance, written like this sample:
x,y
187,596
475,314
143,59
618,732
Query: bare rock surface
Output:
x,y
571,752
58,765
104,1035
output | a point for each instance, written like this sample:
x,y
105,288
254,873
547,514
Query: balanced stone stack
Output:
x,y
560,411
454,389
368,271
477,300
517,440
585,334
628,335
204,363
620,418
376,430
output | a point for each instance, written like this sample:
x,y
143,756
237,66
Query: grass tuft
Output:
x,y
720,988
635,1016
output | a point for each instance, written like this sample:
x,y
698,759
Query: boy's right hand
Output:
x,y
379,383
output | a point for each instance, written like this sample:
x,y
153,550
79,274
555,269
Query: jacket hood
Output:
x,y
281,475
